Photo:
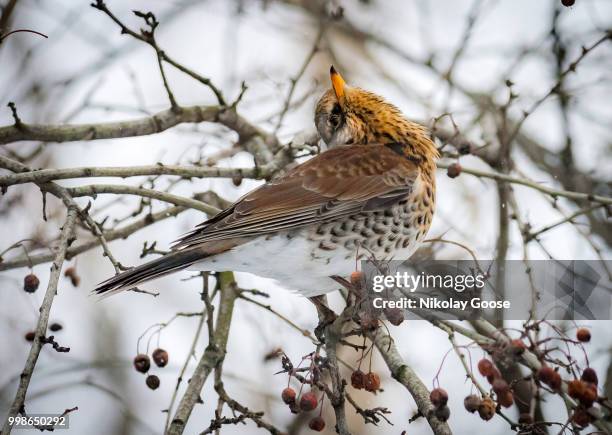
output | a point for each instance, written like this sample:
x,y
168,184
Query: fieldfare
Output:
x,y
371,194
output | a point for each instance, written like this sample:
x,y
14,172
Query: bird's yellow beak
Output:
x,y
338,83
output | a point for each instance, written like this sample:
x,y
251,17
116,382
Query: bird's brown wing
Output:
x,y
339,182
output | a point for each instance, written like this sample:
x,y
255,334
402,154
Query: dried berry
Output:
x,y
438,397
589,395
30,336
525,418
556,382
71,273
487,407
371,382
500,387
395,316
517,346
142,363
294,408
583,335
54,327
495,374
31,283
442,413
308,402
358,379
160,357
568,3
545,374
581,417
454,170
506,400
589,375
237,180
471,403
357,278
288,395
152,382
485,367
576,388
317,424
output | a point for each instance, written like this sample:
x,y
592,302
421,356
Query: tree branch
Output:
x,y
408,378
212,357
47,175
43,319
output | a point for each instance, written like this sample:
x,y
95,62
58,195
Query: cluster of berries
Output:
x,y
142,364
485,406
584,390
501,388
31,281
306,403
439,399
369,381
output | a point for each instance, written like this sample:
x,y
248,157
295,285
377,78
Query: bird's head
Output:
x,y
346,115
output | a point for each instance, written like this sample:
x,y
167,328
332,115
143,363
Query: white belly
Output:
x,y
288,260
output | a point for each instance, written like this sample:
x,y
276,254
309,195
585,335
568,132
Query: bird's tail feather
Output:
x,y
157,268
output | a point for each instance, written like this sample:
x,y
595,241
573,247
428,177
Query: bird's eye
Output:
x,y
335,116
334,120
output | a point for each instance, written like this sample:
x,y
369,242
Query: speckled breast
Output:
x,y
395,232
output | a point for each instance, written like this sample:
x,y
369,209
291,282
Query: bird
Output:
x,y
370,193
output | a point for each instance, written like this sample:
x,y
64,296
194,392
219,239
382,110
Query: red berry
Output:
x,y
30,336
589,375
31,283
160,357
372,382
500,387
555,382
471,403
358,379
288,395
487,407
308,402
518,346
442,413
395,316
152,382
581,417
438,397
545,374
317,424
454,170
485,367
142,363
506,400
357,278
589,396
71,273
575,388
568,3
583,335
495,374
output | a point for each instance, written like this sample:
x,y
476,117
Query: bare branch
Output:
x,y
43,319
